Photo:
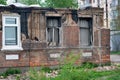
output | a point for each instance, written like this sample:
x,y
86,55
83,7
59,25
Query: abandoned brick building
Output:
x,y
33,36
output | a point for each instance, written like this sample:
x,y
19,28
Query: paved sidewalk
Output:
x,y
115,58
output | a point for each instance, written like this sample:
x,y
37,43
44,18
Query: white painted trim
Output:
x,y
19,44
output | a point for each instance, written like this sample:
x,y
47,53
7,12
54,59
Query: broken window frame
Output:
x,y
16,25
53,43
90,31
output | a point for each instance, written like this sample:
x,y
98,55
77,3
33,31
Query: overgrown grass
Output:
x,y
104,74
77,74
34,74
114,77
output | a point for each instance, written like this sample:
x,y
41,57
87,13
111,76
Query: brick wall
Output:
x,y
102,51
105,42
71,36
42,57
105,37
22,61
36,57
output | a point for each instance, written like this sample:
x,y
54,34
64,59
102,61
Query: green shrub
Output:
x,y
88,65
46,69
11,71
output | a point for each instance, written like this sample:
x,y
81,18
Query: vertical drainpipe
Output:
x,y
98,3
99,41
99,45
99,37
30,38
106,14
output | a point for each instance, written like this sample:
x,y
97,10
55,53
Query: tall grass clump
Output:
x,y
70,71
34,74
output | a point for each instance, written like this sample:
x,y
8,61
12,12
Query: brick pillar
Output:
x,y
103,55
105,43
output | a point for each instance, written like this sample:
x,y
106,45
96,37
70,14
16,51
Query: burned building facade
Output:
x,y
31,36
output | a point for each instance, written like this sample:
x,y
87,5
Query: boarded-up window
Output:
x,y
53,31
85,32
